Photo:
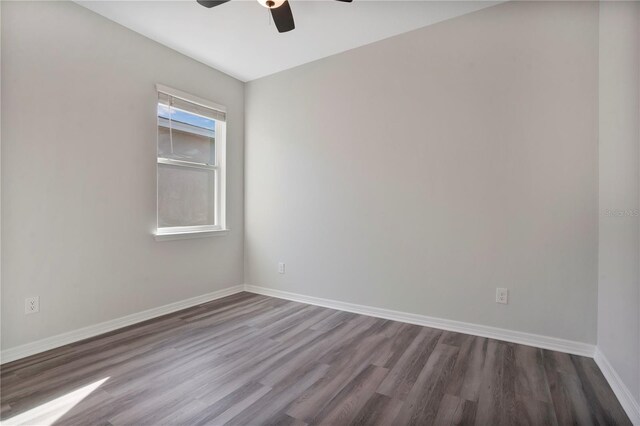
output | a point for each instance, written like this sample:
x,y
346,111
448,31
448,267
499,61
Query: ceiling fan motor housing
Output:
x,y
271,4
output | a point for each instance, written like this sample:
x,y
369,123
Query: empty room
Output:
x,y
320,212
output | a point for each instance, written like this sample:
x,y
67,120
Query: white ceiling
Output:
x,y
239,39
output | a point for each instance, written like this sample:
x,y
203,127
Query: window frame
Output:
x,y
218,168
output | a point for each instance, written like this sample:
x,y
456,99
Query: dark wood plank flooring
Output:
x,y
252,360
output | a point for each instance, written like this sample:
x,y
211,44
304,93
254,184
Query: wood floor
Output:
x,y
252,360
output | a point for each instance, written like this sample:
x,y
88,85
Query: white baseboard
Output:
x,y
628,402
53,342
529,339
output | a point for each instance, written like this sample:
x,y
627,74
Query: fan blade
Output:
x,y
211,3
283,17
345,1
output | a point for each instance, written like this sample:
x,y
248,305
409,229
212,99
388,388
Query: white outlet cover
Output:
x,y
281,268
502,295
32,305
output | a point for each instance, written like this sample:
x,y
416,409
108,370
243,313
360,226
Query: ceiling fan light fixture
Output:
x,y
271,4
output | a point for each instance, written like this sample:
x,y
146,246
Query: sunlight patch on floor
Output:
x,y
47,413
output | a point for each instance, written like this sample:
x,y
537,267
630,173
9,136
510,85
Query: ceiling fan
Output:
x,y
280,11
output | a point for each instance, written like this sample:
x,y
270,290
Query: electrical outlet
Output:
x,y
32,305
281,268
502,295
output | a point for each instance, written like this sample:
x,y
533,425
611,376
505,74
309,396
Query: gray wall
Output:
x,y
619,225
421,172
78,173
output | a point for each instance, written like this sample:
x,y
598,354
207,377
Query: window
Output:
x,y
191,165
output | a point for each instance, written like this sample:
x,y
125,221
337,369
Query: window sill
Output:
x,y
185,235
